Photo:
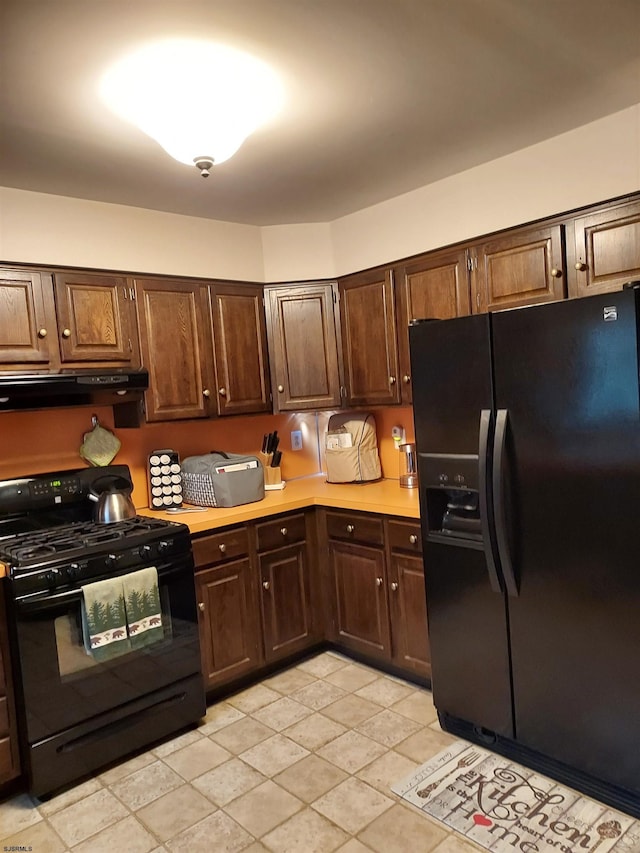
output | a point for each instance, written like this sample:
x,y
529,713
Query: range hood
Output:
x,y
71,388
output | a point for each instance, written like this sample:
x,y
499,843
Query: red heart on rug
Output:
x,y
481,820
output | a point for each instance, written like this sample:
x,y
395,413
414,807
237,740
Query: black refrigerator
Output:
x,y
528,439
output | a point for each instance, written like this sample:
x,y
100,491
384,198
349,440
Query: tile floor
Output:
x,y
300,763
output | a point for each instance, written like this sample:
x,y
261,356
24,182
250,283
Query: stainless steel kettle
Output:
x,y
113,501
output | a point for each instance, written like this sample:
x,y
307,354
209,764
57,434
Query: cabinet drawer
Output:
x,y
280,531
4,716
7,770
355,528
217,547
405,536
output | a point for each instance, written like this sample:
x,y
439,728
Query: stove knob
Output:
x,y
163,546
73,571
51,577
111,560
145,551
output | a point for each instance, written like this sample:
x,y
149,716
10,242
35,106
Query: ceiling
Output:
x,y
383,96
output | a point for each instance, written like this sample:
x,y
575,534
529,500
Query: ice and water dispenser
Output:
x,y
451,488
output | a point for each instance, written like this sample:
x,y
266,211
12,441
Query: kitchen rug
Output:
x,y
508,808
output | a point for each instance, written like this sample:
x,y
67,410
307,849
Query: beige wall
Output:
x,y
595,162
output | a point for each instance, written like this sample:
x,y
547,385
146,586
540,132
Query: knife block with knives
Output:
x,y
270,457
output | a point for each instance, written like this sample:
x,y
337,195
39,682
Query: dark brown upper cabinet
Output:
x,y
369,339
303,346
603,249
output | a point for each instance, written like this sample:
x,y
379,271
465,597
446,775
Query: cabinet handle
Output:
x,y
66,333
394,586
406,379
42,333
222,547
378,581
392,380
413,539
266,585
201,606
206,393
581,266
556,272
222,392
283,530
350,528
280,388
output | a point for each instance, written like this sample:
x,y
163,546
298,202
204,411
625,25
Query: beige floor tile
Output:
x,y
351,751
386,770
319,694
400,829
255,697
351,677
388,728
263,808
289,680
218,716
146,785
310,778
274,755
281,714
456,844
242,735
256,847
37,837
126,834
88,816
306,831
196,759
168,816
69,797
352,805
354,846
314,731
229,781
119,771
417,706
322,665
384,691
424,744
214,834
351,710
176,743
16,814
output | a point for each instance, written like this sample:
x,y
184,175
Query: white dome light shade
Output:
x,y
198,99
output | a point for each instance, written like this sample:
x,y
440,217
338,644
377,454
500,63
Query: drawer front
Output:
x,y
355,528
218,547
405,536
281,531
4,717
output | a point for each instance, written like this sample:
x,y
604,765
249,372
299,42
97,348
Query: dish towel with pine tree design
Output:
x,y
142,604
104,620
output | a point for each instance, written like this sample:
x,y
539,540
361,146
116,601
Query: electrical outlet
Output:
x,y
296,439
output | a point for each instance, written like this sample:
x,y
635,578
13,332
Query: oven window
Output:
x,y
73,656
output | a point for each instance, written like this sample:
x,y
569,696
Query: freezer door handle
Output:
x,y
483,490
499,504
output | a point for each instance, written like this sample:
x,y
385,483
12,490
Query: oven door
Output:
x,y
62,685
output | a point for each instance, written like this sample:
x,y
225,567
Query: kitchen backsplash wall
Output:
x,y
37,442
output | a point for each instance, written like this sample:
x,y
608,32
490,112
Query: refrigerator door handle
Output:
x,y
483,489
499,508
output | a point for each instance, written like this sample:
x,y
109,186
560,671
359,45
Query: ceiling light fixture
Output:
x,y
199,100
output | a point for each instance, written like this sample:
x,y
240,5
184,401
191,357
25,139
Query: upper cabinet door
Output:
x,y
607,250
369,342
27,320
434,286
303,348
175,340
96,319
519,268
240,344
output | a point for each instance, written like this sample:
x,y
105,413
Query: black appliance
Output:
x,y
528,436
76,713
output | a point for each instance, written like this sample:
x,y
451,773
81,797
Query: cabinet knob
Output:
x,y
42,333
406,379
350,528
413,539
201,606
222,392
378,581
222,547
556,272
581,266
266,585
280,388
392,380
66,333
206,393
394,586
283,530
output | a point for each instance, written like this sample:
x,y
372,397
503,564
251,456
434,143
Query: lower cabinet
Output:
x,y
9,752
